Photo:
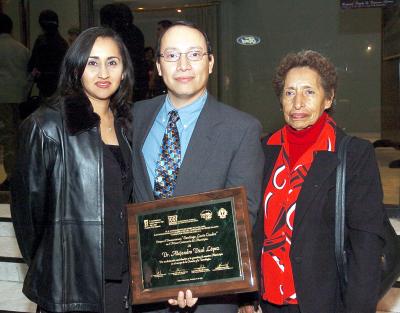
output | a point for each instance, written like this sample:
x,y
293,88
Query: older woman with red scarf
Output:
x,y
294,233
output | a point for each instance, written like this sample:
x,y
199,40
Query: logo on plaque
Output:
x,y
222,213
206,215
172,219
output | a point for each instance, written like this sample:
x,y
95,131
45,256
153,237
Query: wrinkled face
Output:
x,y
186,80
103,72
303,98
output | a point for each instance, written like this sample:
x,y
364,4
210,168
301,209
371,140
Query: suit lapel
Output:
x,y
204,137
324,164
142,133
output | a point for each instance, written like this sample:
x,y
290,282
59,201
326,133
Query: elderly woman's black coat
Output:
x,y
312,252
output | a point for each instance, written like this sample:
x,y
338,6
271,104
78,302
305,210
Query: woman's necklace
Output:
x,y
110,121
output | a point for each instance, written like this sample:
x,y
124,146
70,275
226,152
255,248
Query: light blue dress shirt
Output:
x,y
188,116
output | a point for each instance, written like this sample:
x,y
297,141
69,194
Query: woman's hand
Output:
x,y
184,299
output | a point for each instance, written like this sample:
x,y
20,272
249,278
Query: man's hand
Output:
x,y
184,299
247,309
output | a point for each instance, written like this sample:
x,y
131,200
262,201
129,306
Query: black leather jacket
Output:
x,y
58,207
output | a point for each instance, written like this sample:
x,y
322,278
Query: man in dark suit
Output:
x,y
214,146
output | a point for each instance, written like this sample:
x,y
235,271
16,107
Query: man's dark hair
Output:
x,y
118,16
165,24
187,24
6,24
48,20
74,64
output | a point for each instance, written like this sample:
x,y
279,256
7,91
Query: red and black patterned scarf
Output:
x,y
280,198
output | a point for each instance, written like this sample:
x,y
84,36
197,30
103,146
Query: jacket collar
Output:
x,y
78,114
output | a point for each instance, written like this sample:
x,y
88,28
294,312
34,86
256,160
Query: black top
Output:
x,y
115,235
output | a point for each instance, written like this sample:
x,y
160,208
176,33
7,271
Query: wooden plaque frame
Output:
x,y
246,282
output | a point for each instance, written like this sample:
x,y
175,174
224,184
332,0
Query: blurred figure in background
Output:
x,y
72,32
47,54
162,26
13,76
149,62
119,17
156,83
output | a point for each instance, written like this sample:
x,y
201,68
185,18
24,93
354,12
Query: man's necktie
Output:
x,y
167,167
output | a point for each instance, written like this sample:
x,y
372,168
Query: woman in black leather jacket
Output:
x,y
72,180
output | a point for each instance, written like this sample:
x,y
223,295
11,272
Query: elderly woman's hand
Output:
x,y
184,299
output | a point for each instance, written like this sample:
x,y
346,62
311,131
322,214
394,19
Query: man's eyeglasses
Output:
x,y
174,55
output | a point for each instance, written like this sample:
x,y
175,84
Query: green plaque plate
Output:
x,y
191,242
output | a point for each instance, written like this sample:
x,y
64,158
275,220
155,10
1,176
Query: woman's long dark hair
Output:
x,y
74,63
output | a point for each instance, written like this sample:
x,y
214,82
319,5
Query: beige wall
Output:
x,y
290,25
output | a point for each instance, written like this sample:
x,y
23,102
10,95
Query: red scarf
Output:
x,y
280,198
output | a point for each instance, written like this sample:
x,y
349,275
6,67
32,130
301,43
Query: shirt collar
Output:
x,y
189,113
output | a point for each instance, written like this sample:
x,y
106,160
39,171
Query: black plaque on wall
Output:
x,y
360,4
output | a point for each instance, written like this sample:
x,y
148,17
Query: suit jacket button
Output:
x,y
298,259
120,241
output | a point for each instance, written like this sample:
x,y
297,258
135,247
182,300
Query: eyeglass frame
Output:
x,y
161,55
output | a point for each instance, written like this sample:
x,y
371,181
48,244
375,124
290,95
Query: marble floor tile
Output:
x,y
391,301
6,229
9,247
390,176
5,210
396,224
12,299
10,271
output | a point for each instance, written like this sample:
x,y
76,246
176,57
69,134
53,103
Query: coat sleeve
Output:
x,y
29,187
246,167
365,213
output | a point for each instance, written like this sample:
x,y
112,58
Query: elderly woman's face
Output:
x,y
303,98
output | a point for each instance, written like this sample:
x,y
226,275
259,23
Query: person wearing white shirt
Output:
x,y
14,58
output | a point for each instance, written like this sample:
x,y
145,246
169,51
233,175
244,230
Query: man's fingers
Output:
x,y
181,299
190,301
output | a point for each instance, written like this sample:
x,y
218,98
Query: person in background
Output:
x,y
72,180
162,26
47,54
187,142
14,58
150,62
156,83
72,32
119,17
294,232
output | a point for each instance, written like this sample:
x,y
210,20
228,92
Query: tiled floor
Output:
x,y
390,176
12,299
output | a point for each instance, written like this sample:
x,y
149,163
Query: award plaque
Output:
x,y
200,242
